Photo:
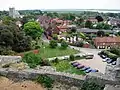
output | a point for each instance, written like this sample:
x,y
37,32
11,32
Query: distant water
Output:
x,y
80,10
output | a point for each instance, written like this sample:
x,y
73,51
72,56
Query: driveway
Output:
x,y
96,62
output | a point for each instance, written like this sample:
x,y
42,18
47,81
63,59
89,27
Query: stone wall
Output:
x,y
9,59
31,74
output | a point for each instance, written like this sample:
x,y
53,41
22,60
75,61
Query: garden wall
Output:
x,y
9,59
31,74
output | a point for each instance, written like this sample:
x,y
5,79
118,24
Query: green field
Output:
x,y
47,52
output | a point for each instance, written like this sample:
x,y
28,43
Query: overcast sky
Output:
x,y
60,4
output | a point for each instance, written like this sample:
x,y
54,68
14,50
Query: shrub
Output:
x,y
37,47
64,45
79,44
56,60
110,55
32,59
72,58
45,62
55,37
53,44
45,80
91,85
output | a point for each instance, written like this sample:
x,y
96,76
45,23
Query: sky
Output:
x,y
59,4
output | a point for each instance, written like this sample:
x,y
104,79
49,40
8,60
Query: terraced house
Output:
x,y
106,42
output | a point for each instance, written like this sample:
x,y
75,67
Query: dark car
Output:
x,y
109,61
85,68
103,56
76,64
114,63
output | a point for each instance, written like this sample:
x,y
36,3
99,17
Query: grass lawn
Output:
x,y
48,52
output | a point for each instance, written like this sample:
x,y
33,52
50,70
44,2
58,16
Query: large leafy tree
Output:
x,y
100,33
33,29
99,18
13,38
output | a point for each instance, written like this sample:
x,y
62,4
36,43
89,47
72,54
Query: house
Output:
x,y
92,19
61,24
106,42
44,21
113,21
93,31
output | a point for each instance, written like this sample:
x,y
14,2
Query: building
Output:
x,y
92,19
13,13
113,21
93,31
106,42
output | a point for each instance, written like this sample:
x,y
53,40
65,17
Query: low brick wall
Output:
x,y
9,59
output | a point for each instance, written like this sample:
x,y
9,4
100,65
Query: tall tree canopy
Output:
x,y
88,24
99,18
33,29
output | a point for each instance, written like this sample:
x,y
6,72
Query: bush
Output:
x,y
45,80
110,55
37,47
79,44
55,37
91,85
64,45
56,60
53,44
32,59
45,63
72,58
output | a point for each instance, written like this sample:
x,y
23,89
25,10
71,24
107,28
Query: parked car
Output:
x,y
109,61
103,56
114,63
94,70
85,68
89,56
106,59
76,64
80,66
88,70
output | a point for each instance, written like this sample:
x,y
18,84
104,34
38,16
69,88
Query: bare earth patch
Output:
x,y
6,84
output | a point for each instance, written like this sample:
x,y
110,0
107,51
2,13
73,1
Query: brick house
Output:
x,y
106,42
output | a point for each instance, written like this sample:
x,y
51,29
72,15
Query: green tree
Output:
x,y
64,44
33,29
88,24
53,44
100,33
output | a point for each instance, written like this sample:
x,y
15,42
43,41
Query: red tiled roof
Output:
x,y
107,39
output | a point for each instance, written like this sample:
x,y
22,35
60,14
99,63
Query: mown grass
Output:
x,y
65,66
